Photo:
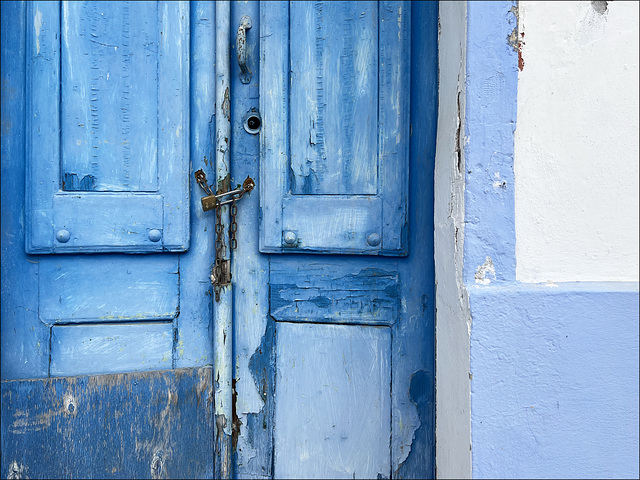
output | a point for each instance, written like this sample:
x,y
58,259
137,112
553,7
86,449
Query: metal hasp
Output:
x,y
241,46
212,201
221,273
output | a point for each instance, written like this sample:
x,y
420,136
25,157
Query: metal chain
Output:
x,y
220,274
216,274
233,226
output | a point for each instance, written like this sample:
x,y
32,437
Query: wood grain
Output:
x,y
142,425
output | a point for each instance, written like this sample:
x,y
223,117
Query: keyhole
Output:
x,y
252,122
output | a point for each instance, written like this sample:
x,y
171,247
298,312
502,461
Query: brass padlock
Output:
x,y
210,202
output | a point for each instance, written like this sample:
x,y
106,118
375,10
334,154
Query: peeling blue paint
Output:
x,y
260,425
422,394
490,121
71,182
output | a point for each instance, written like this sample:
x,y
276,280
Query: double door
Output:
x,y
327,368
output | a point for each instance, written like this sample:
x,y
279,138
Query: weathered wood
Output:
x,y
107,110
332,414
274,108
331,224
109,86
334,97
393,117
413,402
333,292
108,288
143,425
252,327
223,306
24,339
336,138
194,324
110,348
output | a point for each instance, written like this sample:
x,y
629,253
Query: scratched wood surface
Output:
x,y
108,288
332,414
253,327
24,339
333,291
194,343
335,102
108,127
143,425
107,348
111,61
334,97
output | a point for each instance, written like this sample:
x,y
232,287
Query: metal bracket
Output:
x,y
221,270
212,201
241,46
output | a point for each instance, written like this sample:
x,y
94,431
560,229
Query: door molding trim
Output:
x,y
453,317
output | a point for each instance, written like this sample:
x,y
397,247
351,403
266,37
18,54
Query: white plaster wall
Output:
x,y
576,144
453,320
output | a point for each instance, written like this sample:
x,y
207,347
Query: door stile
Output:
x,y
223,307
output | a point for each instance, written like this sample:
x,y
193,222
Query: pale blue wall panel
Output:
x,y
555,381
554,367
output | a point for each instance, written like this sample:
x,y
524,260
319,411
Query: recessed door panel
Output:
x,y
334,97
107,121
333,402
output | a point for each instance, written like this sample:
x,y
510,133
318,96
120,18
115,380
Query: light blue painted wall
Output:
x,y
554,368
554,392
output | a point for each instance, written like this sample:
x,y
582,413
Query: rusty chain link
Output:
x,y
221,276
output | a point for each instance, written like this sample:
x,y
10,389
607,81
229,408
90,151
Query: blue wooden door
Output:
x,y
333,276
106,302
109,264
107,170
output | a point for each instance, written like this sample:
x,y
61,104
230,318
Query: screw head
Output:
x,y
155,235
63,236
290,237
373,239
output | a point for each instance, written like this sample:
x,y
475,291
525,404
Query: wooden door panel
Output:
x,y
127,425
107,348
332,401
109,95
334,98
107,163
108,288
333,291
